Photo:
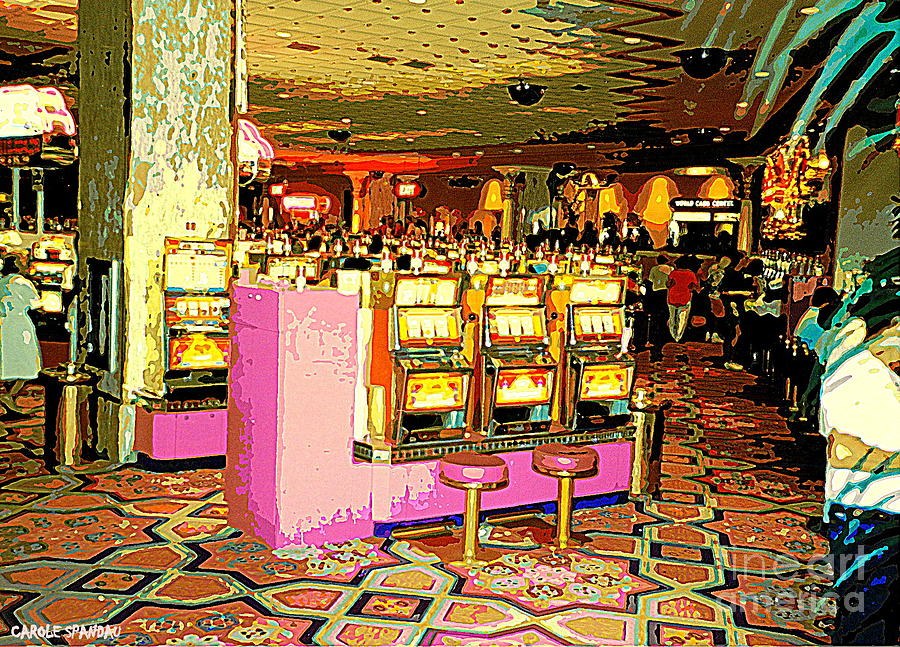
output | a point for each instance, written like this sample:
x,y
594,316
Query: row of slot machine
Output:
x,y
501,362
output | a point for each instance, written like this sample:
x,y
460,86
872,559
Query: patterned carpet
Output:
x,y
722,557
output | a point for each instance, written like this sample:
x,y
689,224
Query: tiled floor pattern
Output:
x,y
722,557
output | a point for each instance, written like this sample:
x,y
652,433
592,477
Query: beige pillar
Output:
x,y
157,160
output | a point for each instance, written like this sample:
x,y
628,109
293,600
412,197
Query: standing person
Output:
x,y
757,315
734,289
655,305
713,283
682,284
20,354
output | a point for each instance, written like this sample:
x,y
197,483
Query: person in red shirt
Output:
x,y
682,284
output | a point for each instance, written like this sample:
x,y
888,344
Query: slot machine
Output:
x,y
598,380
518,377
197,314
310,266
427,400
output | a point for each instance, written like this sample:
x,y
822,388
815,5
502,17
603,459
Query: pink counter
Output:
x,y
290,476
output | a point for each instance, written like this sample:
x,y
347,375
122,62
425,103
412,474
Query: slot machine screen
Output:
x,y
514,291
606,382
426,291
516,325
523,386
428,327
598,324
196,312
197,265
435,391
598,291
198,351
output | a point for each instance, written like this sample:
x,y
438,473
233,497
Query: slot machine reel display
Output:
x,y
431,377
519,372
197,317
598,380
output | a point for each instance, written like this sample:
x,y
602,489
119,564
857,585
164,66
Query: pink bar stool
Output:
x,y
473,473
564,463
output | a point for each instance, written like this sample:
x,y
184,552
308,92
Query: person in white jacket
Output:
x,y
860,417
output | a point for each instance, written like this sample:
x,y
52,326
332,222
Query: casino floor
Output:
x,y
723,556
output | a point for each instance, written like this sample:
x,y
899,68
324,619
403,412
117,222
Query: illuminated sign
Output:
x,y
606,382
514,291
27,111
706,204
605,291
407,190
299,202
425,291
524,386
277,189
435,391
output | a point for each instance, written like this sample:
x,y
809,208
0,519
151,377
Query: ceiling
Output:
x,y
419,75
431,75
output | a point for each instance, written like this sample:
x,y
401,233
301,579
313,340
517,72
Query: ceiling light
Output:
x,y
479,153
809,11
699,170
410,139
346,120
718,139
517,150
421,112
591,146
417,1
743,104
477,134
761,74
456,154
631,40
284,95
725,129
283,34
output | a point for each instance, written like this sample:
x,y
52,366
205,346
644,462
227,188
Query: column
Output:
x,y
360,207
157,159
525,205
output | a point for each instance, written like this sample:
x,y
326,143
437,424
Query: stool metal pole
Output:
x,y
564,512
470,527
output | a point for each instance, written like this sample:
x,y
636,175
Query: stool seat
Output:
x,y
556,459
471,469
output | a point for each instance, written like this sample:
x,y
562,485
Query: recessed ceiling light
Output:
x,y
591,146
456,154
283,34
346,120
631,40
477,134
761,74
421,112
742,104
479,153
410,139
809,11
417,1
284,95
725,129
718,139
517,150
